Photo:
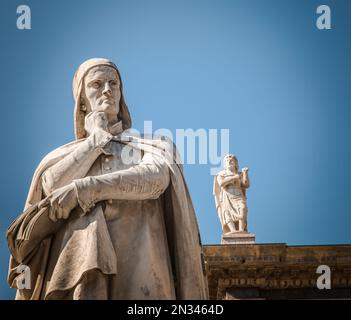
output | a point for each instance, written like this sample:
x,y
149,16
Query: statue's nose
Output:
x,y
107,89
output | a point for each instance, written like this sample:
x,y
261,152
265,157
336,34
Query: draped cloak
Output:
x,y
30,245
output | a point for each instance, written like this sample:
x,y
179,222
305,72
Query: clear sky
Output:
x,y
258,68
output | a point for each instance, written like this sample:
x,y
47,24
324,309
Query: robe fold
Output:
x,y
76,251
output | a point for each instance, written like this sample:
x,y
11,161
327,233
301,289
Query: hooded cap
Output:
x,y
80,110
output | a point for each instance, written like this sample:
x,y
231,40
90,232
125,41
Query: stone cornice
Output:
x,y
274,266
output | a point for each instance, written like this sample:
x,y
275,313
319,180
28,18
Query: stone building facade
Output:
x,y
277,271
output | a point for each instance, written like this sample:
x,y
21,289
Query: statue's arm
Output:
x,y
77,163
147,180
245,181
224,181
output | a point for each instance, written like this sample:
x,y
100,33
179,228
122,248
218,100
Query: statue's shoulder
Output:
x,y
221,173
159,138
52,157
61,151
159,141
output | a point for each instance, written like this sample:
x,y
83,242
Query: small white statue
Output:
x,y
230,196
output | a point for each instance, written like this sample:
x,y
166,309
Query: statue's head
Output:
x,y
230,161
97,86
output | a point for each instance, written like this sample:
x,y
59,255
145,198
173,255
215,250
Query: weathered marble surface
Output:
x,y
97,227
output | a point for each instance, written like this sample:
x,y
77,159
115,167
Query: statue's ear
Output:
x,y
84,103
81,109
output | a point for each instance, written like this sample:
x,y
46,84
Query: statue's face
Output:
x,y
230,162
102,90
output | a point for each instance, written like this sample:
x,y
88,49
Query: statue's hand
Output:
x,y
62,201
95,120
245,169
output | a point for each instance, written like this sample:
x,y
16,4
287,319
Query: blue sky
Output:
x,y
258,68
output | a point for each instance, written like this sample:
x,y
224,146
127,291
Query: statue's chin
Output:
x,y
111,110
108,106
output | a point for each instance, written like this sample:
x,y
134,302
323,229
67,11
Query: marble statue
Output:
x,y
96,227
230,196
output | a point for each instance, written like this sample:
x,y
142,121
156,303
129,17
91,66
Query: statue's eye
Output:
x,y
96,84
113,82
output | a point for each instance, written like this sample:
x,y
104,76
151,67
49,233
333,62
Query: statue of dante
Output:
x,y
98,227
229,189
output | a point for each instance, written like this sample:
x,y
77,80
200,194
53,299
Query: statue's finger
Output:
x,y
52,215
59,212
65,214
55,209
43,203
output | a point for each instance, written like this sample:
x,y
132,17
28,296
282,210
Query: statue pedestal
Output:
x,y
238,238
